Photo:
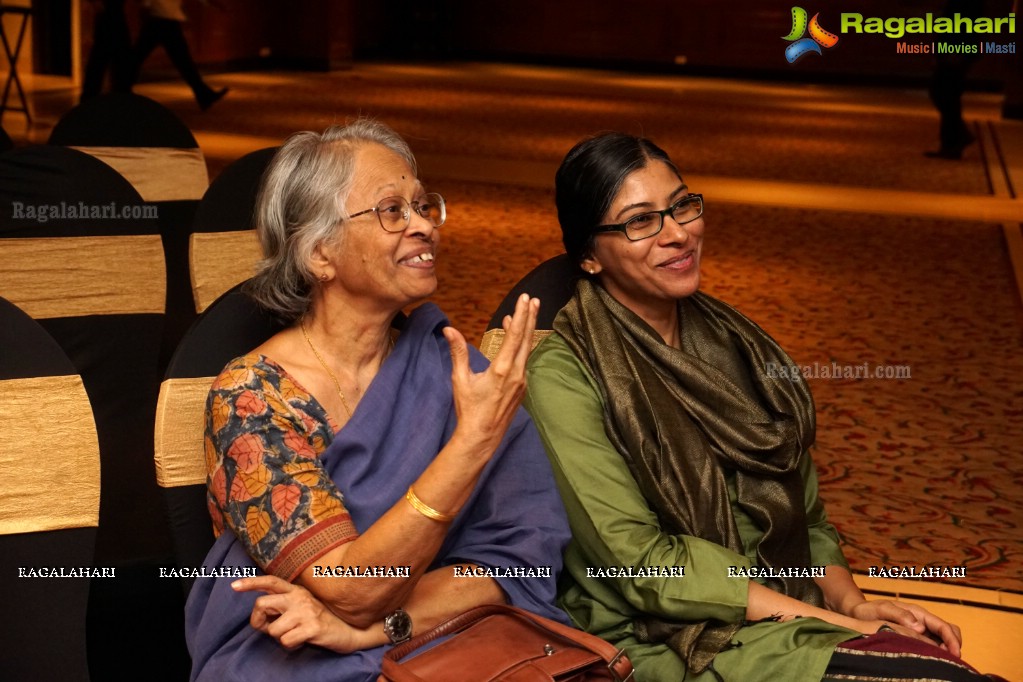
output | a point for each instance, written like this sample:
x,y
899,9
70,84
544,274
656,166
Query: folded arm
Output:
x,y
294,617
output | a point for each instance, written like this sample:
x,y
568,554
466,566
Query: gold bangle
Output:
x,y
425,509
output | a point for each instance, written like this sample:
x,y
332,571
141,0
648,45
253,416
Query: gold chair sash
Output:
x,y
158,173
494,338
179,452
49,455
77,276
219,260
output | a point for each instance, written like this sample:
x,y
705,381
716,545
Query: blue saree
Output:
x,y
513,518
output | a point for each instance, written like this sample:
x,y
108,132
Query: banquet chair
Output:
x,y
142,140
232,326
223,247
97,286
553,282
49,503
151,148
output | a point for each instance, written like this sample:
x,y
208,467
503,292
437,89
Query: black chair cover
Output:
x,y
44,637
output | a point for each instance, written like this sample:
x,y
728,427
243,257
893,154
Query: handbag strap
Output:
x,y
618,663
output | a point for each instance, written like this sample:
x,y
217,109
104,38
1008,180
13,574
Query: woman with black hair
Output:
x,y
700,544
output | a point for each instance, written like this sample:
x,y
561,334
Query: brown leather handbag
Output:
x,y
503,643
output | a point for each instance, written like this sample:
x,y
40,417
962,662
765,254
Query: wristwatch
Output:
x,y
398,626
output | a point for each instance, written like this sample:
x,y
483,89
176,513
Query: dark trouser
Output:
x,y
111,47
946,92
168,33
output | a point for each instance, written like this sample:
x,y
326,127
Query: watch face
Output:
x,y
398,626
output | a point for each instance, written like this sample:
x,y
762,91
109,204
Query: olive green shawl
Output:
x,y
680,418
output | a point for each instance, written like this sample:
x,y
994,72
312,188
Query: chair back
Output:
x,y
151,148
223,248
553,282
96,283
49,503
142,140
230,327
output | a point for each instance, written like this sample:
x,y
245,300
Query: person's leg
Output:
x,y
121,68
173,39
149,37
100,55
946,92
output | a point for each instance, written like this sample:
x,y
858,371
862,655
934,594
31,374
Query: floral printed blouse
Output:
x,y
265,482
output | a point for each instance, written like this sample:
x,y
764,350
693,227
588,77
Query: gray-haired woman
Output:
x,y
358,465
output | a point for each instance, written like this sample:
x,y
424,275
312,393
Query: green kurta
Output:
x,y
613,526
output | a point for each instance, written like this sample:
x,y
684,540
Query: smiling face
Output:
x,y
648,276
380,269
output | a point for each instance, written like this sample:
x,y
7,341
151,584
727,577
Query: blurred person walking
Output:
x,y
162,26
111,49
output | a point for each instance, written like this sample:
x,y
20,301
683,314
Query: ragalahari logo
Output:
x,y
818,36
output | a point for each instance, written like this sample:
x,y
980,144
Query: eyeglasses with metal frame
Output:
x,y
685,210
395,213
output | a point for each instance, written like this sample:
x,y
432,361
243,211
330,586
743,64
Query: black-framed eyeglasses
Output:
x,y
395,213
685,210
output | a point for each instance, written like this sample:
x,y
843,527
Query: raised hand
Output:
x,y
485,402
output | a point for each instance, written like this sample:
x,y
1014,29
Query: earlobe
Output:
x,y
590,265
320,265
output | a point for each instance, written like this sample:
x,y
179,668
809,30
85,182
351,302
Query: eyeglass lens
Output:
x,y
649,224
395,213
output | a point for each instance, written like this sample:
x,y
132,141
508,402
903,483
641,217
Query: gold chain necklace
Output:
x,y
337,384
333,378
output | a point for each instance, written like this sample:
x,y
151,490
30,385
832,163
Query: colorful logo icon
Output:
x,y
818,36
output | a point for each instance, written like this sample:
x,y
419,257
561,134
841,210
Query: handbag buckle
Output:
x,y
614,673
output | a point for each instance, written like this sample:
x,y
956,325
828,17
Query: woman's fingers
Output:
x,y
926,623
526,347
266,610
486,401
264,583
896,613
946,633
291,617
460,371
514,331
290,631
916,621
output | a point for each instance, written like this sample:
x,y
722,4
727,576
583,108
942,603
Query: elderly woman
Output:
x,y
370,464
684,467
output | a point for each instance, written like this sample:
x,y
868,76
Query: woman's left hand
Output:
x,y
914,617
293,616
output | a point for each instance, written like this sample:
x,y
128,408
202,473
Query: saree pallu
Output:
x,y
513,518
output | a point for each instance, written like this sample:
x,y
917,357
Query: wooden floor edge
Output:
x,y
944,592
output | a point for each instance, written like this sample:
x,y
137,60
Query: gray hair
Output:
x,y
302,201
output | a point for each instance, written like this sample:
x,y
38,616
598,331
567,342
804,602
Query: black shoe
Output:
x,y
214,96
952,153
955,151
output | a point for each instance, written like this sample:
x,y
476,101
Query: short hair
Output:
x,y
590,178
302,200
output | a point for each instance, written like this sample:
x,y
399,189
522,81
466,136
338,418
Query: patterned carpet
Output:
x,y
922,471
